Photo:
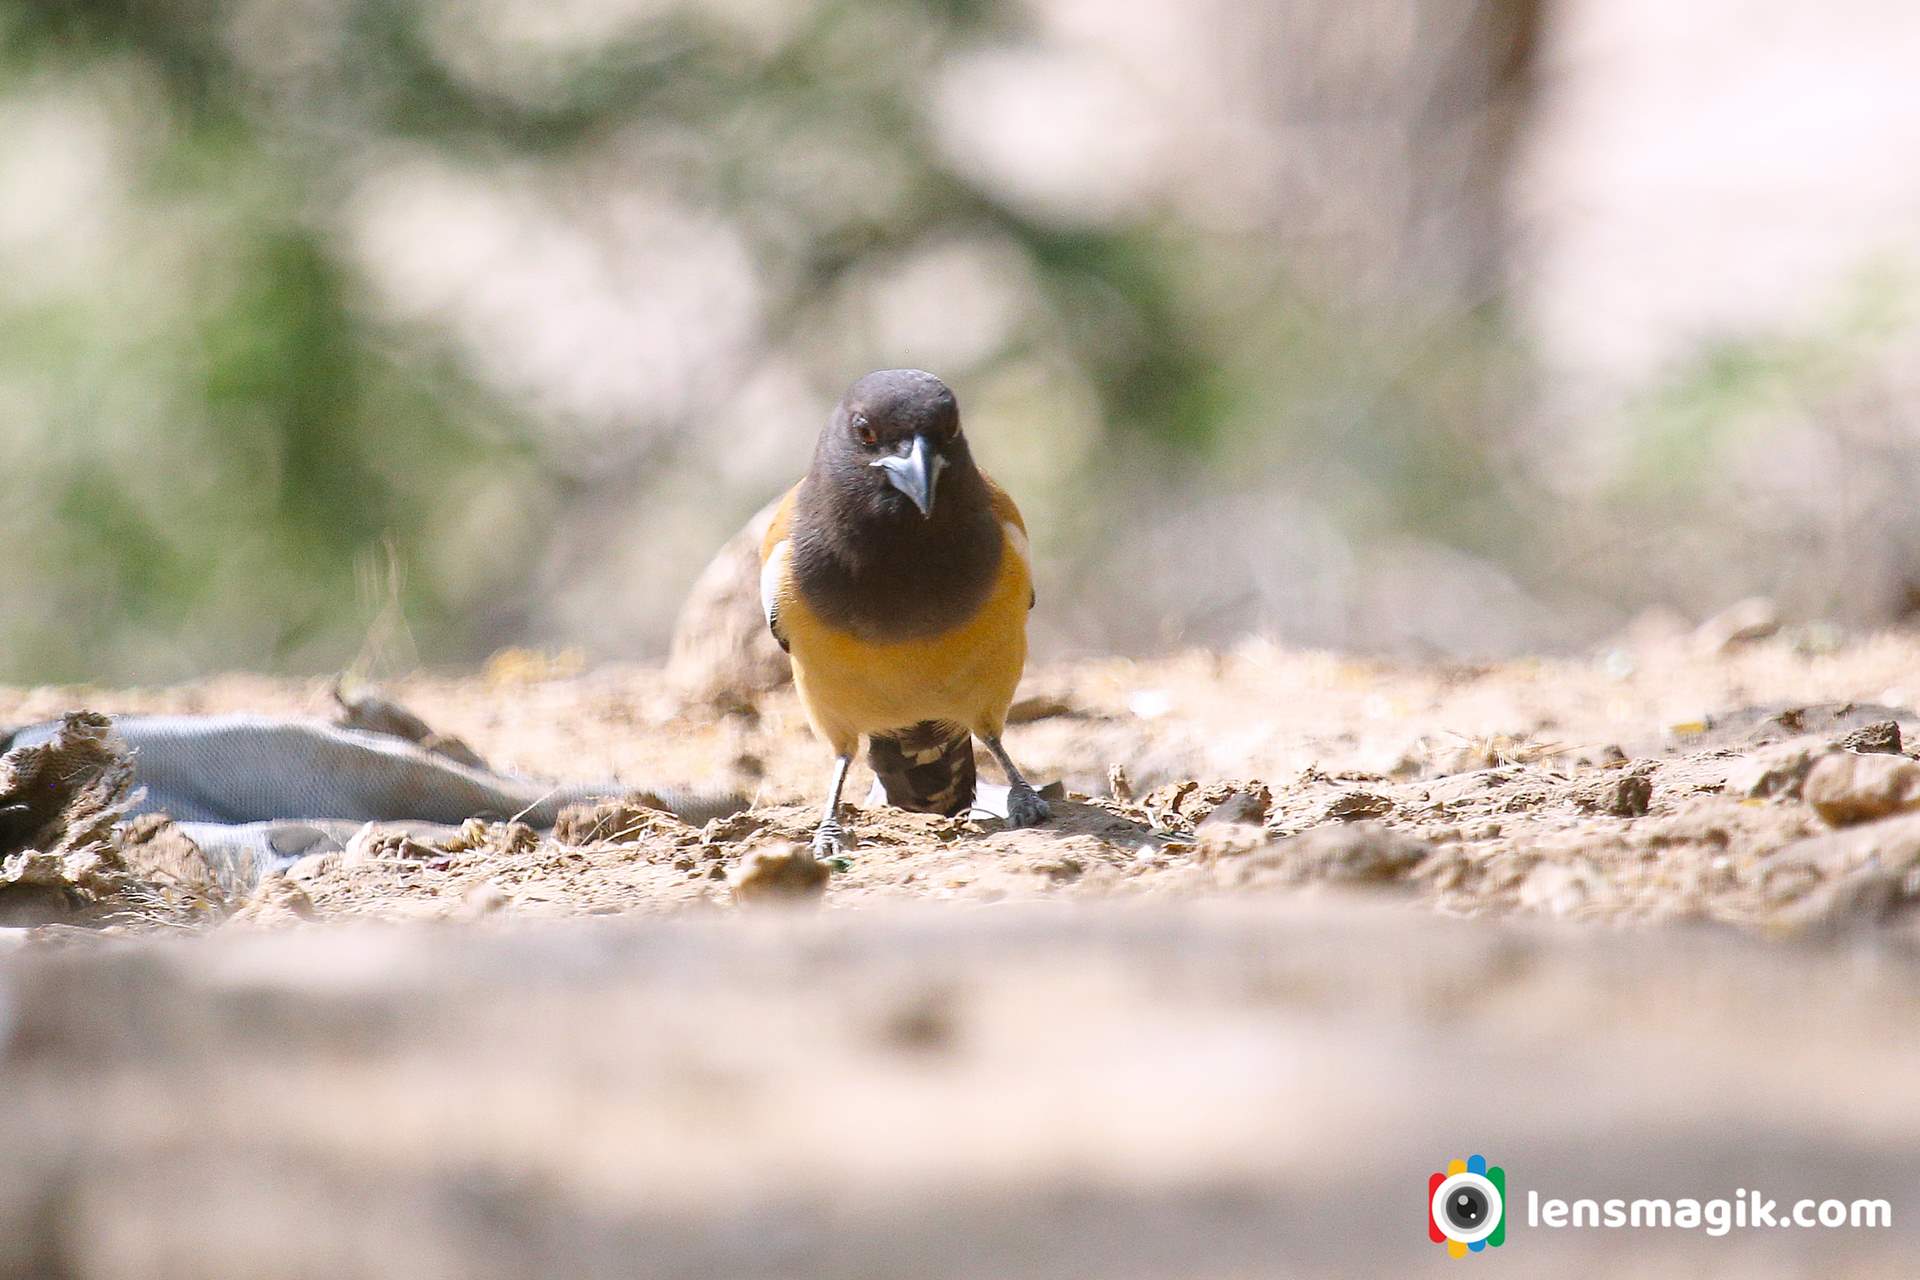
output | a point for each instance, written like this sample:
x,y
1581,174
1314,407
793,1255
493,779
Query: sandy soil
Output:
x,y
1211,1022
1592,789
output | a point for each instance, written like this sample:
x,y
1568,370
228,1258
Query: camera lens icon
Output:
x,y
1467,1206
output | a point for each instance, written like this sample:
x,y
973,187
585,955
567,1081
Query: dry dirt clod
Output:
x,y
782,874
277,902
1775,771
616,821
1356,806
1882,737
1247,804
65,794
1235,823
1119,784
735,826
372,843
1845,788
59,803
1622,796
1189,802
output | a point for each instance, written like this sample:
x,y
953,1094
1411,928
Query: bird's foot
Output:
x,y
1025,808
829,840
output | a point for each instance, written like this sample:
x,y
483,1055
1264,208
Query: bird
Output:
x,y
897,577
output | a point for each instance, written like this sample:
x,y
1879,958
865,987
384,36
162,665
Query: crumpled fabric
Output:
x,y
257,792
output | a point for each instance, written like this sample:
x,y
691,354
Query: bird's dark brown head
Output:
x,y
893,529
894,445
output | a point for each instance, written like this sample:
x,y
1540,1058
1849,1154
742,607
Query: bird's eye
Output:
x,y
865,432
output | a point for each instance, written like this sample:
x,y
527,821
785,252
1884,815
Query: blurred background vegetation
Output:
x,y
402,330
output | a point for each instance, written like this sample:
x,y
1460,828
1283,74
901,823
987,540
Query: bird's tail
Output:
x,y
927,767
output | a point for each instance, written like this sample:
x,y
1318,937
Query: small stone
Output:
x,y
1845,788
1248,806
1355,806
1119,784
735,826
1627,795
1882,737
780,874
1777,771
1186,803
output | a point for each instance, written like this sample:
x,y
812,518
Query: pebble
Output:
x,y
1778,771
780,874
1846,788
1882,737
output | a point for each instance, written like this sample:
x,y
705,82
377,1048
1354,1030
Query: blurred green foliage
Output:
x,y
219,429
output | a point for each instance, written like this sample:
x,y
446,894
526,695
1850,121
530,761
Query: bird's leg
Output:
x,y
828,835
1025,808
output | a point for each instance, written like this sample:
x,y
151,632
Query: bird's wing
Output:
x,y
775,551
1013,526
1003,505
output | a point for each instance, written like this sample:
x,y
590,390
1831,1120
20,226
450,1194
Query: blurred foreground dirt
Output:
x,y
1211,1023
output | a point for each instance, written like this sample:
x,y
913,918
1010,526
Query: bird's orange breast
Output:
x,y
967,675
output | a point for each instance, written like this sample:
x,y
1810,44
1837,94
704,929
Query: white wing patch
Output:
x,y
1019,543
1017,539
770,575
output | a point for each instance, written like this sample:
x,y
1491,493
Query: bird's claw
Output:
x,y
1025,808
829,840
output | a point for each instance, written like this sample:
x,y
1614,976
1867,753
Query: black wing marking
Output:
x,y
770,591
773,625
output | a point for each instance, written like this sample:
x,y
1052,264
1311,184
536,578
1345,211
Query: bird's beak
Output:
x,y
914,472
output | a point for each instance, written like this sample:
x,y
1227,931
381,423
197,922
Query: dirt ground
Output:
x,y
1212,1021
1593,789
